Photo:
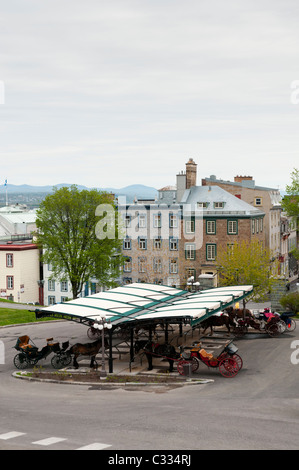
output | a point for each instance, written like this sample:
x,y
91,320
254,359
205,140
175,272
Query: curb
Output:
x,y
18,375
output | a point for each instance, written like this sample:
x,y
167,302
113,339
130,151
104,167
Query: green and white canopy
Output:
x,y
134,303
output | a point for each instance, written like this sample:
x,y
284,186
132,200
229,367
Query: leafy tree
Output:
x,y
247,263
290,202
67,222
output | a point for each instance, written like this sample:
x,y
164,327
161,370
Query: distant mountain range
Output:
x,y
138,190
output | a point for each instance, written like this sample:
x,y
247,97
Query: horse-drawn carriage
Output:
x,y
266,321
30,355
228,362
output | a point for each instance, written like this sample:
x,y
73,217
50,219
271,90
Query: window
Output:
x,y
232,227
218,205
142,220
202,205
9,260
63,286
173,221
157,221
127,244
51,284
261,224
9,282
211,227
173,244
258,201
190,272
127,221
211,252
190,225
64,299
157,265
51,300
190,251
141,265
173,266
157,243
128,265
142,242
252,226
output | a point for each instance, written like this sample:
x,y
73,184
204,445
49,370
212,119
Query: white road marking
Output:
x,y
11,435
95,446
49,441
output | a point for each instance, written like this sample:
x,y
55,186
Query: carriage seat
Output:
x,y
206,355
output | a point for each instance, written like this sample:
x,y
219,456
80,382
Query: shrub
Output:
x,y
291,302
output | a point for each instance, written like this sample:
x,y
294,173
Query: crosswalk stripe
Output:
x,y
11,435
49,441
95,446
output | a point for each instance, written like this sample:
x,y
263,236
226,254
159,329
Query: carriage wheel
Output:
x,y
237,358
194,364
291,325
273,330
65,359
59,361
20,361
55,362
93,333
228,367
281,326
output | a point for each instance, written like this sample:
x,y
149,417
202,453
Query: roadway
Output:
x,y
258,409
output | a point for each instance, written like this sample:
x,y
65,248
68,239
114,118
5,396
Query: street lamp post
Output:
x,y
194,285
101,325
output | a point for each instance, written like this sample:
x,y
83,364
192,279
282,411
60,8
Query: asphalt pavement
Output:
x,y
256,410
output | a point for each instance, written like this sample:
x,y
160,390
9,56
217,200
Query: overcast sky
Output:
x,y
112,93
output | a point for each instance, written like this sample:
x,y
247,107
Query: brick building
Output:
x,y
178,235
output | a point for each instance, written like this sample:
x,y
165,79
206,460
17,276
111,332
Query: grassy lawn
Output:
x,y
10,316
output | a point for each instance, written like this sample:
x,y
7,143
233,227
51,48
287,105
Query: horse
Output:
x,y
88,349
238,313
215,320
154,349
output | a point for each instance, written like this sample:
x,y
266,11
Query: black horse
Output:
x,y
157,350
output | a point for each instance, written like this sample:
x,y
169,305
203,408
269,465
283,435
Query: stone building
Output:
x,y
178,235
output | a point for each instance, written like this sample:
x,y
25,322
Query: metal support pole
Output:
x,y
103,372
110,352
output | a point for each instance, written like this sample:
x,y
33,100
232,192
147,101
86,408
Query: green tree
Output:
x,y
67,220
290,202
291,302
247,263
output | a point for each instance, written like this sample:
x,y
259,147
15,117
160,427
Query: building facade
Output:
x,y
178,236
20,272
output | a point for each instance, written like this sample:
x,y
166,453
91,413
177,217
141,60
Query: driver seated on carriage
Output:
x,y
270,316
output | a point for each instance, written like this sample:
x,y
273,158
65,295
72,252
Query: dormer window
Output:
x,y
218,205
202,205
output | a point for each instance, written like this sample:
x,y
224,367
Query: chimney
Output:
x,y
239,179
191,171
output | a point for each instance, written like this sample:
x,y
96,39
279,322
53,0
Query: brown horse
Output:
x,y
88,349
238,313
215,320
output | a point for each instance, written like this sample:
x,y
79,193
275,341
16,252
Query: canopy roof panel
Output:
x,y
145,302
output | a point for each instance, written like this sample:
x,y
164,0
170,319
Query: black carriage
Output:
x,y
29,354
